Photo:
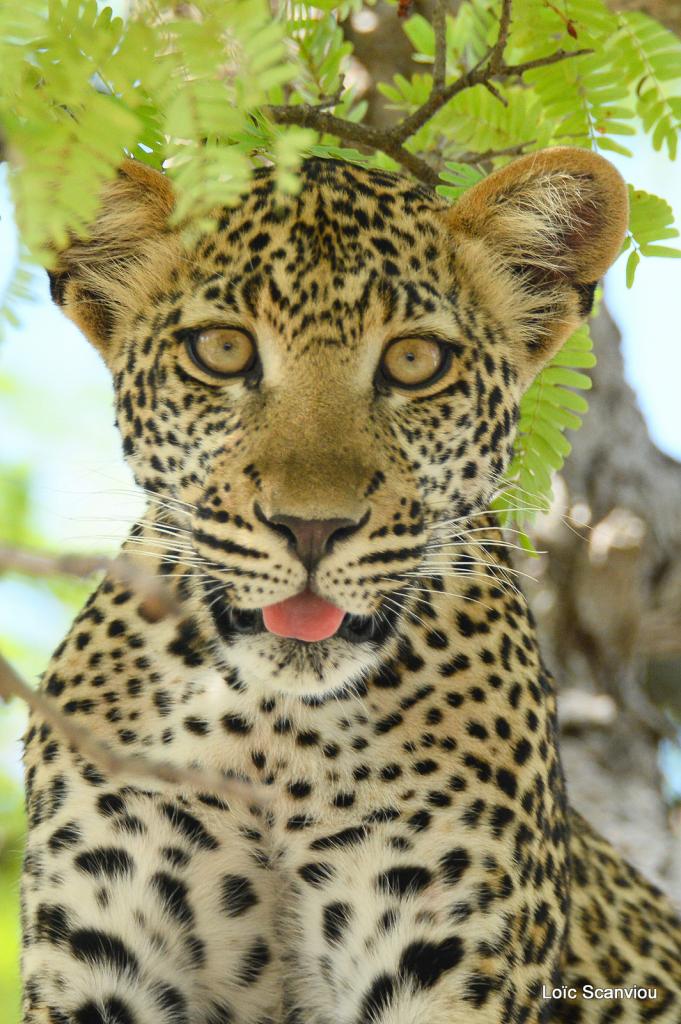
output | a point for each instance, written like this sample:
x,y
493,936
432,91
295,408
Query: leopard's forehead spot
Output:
x,y
328,269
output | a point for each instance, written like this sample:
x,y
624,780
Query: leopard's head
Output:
x,y
317,385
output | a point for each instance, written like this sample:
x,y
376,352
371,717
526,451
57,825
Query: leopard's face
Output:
x,y
322,389
324,359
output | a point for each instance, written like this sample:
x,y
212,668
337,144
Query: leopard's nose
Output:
x,y
311,538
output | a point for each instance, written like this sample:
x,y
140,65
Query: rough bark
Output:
x,y
608,604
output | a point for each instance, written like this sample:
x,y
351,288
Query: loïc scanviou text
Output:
x,y
596,992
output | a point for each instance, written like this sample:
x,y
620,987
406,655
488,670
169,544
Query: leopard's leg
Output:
x,y
143,908
623,934
401,930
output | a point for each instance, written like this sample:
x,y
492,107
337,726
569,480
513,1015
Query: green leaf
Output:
x,y
570,400
549,432
569,378
547,409
574,358
556,414
659,250
632,263
651,220
420,34
289,149
613,147
650,56
460,177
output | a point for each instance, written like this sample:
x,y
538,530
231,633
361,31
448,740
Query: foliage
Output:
x,y
550,406
194,89
650,221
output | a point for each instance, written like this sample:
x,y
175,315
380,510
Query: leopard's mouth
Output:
x,y
232,622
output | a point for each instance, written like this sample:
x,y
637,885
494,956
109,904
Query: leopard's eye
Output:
x,y
414,362
222,351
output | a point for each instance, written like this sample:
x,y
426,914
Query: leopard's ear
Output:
x,y
97,277
537,235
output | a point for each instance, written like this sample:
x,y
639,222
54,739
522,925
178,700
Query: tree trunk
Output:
x,y
608,605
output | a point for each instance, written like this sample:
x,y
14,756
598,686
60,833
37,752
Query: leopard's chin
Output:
x,y
301,667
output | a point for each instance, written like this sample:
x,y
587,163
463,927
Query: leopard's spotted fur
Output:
x,y
415,861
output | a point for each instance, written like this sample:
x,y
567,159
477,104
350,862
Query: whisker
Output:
x,y
476,561
466,531
407,612
463,537
171,529
564,516
451,569
491,514
458,596
162,549
168,499
152,496
170,559
505,585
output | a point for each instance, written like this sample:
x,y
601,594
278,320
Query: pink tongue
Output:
x,y
303,617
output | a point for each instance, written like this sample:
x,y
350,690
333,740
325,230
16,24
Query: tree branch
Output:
x,y
304,115
490,154
481,74
515,70
39,563
136,766
440,30
493,91
157,597
391,141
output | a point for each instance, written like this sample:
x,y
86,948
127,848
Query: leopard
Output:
x,y
318,393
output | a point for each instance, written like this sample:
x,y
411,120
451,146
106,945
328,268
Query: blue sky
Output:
x,y
649,314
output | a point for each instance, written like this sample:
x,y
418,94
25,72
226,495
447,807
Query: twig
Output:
x,y
440,30
40,563
307,116
543,62
478,75
137,765
490,154
497,54
11,683
493,91
331,101
391,141
159,601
